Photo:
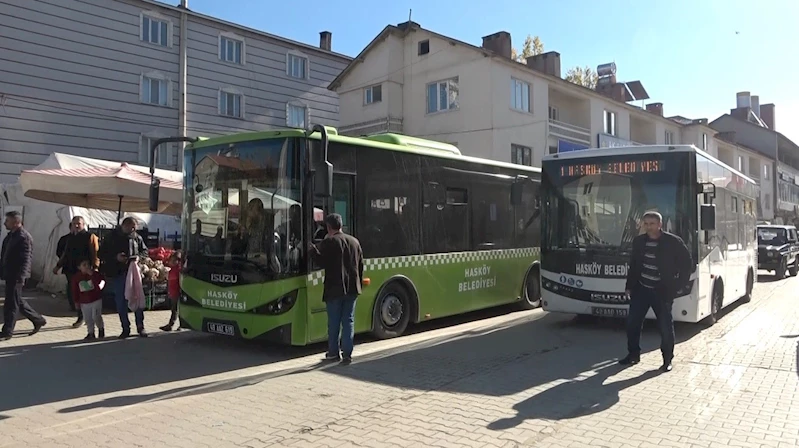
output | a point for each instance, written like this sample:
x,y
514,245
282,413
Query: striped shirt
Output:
x,y
650,274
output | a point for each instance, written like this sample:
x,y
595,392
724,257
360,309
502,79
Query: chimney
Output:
x,y
184,4
548,63
742,99
755,102
498,43
655,108
325,40
616,92
741,113
767,115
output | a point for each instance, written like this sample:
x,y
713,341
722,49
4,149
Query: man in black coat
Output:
x,y
119,249
15,268
79,245
660,266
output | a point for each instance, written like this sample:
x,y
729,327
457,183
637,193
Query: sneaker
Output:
x,y
5,337
630,360
143,334
346,361
78,323
37,327
101,333
124,335
329,357
166,328
666,367
89,337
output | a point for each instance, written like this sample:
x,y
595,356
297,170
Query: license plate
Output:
x,y
225,329
608,312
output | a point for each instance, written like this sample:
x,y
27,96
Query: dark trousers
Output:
x,y
71,299
173,307
341,325
118,287
15,303
640,301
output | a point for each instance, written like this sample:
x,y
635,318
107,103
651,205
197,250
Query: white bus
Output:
x,y
595,200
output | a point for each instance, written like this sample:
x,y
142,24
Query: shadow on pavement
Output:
x,y
794,336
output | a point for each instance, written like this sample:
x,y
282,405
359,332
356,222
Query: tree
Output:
x,y
532,47
582,76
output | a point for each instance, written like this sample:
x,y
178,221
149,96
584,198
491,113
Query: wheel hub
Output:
x,y
391,310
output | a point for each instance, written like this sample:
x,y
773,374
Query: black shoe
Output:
x,y
346,361
101,333
630,360
124,335
332,358
166,328
143,334
89,337
37,327
78,323
5,337
666,367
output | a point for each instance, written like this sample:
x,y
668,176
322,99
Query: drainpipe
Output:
x,y
184,36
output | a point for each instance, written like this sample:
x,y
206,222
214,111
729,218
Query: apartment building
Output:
x,y
753,126
417,82
102,78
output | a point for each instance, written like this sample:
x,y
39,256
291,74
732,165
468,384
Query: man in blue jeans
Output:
x,y
341,257
118,249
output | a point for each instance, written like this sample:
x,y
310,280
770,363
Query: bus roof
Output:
x,y
640,149
387,141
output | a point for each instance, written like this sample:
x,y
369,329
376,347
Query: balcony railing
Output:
x,y
570,131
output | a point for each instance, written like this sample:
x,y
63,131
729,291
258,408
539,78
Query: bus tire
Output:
x,y
531,290
750,286
392,311
715,304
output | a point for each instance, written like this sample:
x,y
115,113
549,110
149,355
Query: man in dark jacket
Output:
x,y
119,249
660,267
341,257
15,267
79,245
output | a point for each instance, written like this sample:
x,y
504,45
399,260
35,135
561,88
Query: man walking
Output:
x,y
15,268
341,257
80,245
117,251
660,266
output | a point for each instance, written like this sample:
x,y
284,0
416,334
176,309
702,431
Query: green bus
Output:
x,y
442,233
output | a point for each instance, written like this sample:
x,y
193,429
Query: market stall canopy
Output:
x,y
104,185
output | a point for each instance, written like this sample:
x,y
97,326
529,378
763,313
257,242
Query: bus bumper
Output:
x,y
684,309
275,329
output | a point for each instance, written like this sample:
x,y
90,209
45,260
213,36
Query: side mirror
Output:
x,y
516,190
323,180
155,189
707,215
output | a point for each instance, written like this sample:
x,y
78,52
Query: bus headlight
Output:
x,y
279,306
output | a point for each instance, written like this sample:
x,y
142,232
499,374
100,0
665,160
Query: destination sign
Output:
x,y
620,167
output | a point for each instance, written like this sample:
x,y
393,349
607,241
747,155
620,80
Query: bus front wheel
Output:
x,y
531,294
392,312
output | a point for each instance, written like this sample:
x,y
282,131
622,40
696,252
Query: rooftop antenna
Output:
x,y
410,12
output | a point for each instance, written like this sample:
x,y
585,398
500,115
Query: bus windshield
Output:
x,y
243,208
598,202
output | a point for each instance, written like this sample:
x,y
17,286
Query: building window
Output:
x,y
554,114
442,95
704,142
740,166
155,89
296,115
297,66
373,94
669,138
164,156
231,49
768,201
521,155
231,103
766,172
519,95
424,47
155,30
610,123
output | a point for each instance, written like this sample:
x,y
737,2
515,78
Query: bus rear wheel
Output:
x,y
391,313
